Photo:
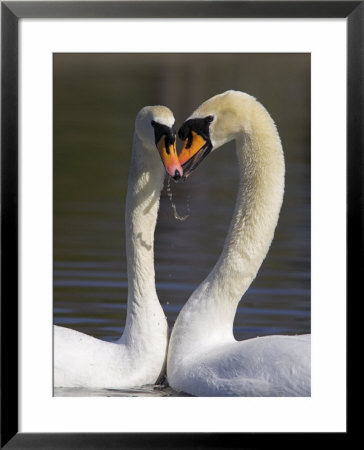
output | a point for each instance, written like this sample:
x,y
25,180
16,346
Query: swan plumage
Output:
x,y
138,357
204,358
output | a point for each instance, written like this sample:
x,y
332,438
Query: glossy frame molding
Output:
x,y
11,12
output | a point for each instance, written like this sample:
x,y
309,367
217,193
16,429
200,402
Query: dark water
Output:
x,y
143,391
96,99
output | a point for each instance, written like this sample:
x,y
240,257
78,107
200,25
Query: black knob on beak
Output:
x,y
177,175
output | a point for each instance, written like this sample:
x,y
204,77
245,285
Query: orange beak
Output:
x,y
193,152
187,151
168,154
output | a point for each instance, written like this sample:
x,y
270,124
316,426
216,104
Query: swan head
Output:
x,y
154,128
215,122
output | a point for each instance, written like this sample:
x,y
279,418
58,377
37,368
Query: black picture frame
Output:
x,y
11,12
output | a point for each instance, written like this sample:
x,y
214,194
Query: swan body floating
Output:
x,y
138,357
204,359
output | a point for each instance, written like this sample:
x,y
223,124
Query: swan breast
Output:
x,y
270,366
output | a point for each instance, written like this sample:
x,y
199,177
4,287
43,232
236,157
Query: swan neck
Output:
x,y
145,183
257,207
255,217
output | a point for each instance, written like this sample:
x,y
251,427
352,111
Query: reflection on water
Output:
x,y
143,391
96,99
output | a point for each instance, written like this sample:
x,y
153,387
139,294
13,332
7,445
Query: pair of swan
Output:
x,y
203,358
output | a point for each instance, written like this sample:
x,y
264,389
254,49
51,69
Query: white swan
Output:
x,y
204,359
138,357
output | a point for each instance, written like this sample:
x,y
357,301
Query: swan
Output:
x,y
138,357
203,358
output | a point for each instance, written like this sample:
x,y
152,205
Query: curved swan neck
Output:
x,y
145,183
251,230
259,200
